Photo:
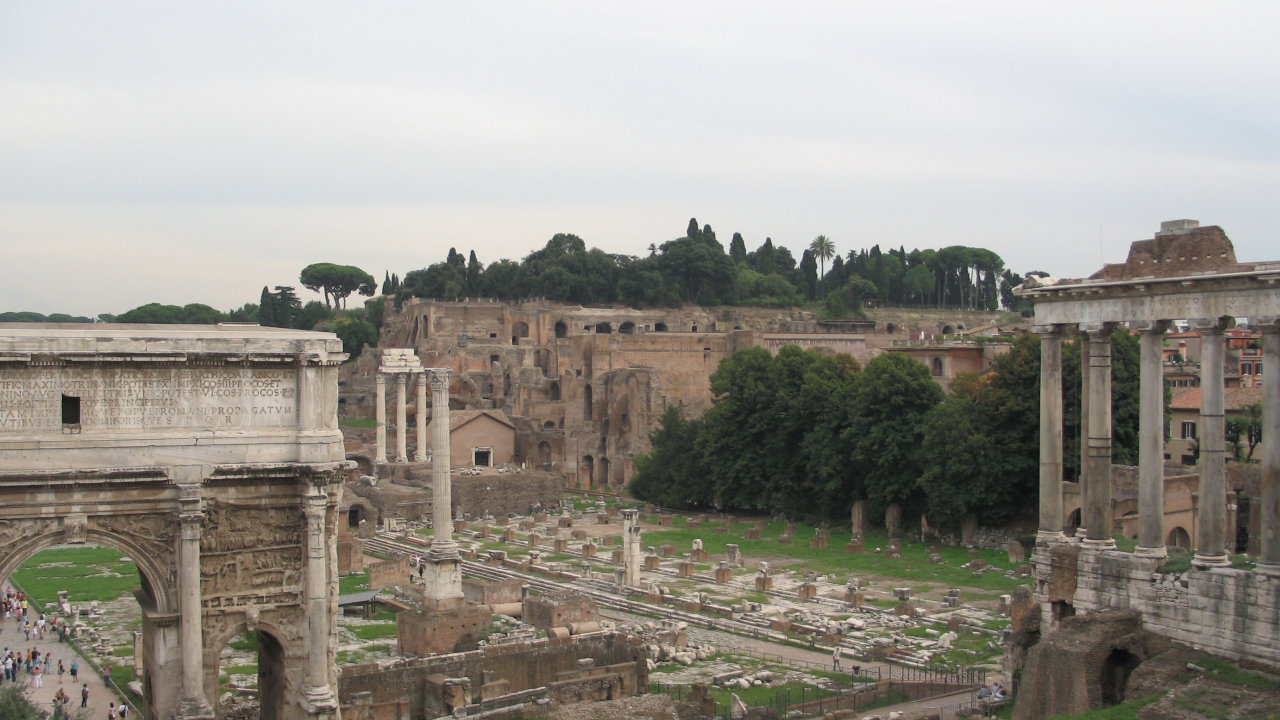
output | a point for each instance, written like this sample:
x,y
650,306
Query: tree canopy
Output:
x,y
338,282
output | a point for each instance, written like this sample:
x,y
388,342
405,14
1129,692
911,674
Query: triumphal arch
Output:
x,y
211,456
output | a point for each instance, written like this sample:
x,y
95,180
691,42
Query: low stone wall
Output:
x,y
560,609
428,632
524,666
514,493
484,592
393,571
1226,612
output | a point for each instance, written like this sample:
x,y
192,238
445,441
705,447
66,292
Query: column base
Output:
x,y
1268,570
1156,553
194,709
1202,562
1092,544
1049,537
1082,533
320,699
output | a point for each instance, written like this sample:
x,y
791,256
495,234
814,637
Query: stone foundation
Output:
x,y
427,632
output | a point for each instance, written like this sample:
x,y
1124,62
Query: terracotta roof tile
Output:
x,y
1235,398
458,418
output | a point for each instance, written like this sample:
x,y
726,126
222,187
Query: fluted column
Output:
x,y
380,402
1097,498
1151,441
1084,431
421,415
317,691
1269,555
402,418
1050,435
194,705
1211,543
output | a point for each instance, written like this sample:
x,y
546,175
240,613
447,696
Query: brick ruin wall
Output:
x,y
536,361
524,666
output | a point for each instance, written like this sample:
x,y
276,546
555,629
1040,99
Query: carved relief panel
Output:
x,y
251,551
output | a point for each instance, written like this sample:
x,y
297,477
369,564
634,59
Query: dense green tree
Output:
x,y
35,317
699,268
337,282
809,272
673,473
738,249
311,314
958,458
354,333
155,313
890,400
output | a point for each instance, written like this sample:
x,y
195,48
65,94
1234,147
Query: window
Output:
x,y
1257,369
1246,368
480,456
937,367
71,413
1188,431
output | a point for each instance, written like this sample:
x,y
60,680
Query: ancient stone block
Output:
x,y
534,540
509,535
459,525
817,543
784,539
667,551
854,547
764,583
975,552
540,517
723,575
391,572
1016,553
579,534
560,545
732,555
564,521
559,609
1023,571
807,591
602,519
685,569
618,557
893,519
666,520
652,562
751,534
426,632
588,550
692,525
504,521
857,599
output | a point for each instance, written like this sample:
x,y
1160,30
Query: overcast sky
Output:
x,y
194,152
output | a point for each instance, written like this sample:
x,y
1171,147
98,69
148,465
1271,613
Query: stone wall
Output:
x,y
429,632
559,609
393,571
1223,611
515,493
525,666
484,592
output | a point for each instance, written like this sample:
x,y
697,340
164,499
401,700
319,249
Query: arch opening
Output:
x,y
544,453
549,425
587,474
1115,675
519,330
555,391
562,330
660,327
1179,538
586,402
605,480
890,328
937,367
948,329
627,328
603,328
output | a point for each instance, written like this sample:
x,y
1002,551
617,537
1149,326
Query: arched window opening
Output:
x,y
555,391
586,402
890,328
948,329
603,328
549,425
1179,538
937,367
605,480
544,453
519,330
660,327
627,328
561,423
587,473
562,330
695,329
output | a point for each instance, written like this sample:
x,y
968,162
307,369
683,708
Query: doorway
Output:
x,y
482,457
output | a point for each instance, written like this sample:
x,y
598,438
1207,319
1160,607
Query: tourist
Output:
x,y
997,691
106,674
111,713
74,669
8,666
835,660
124,711
984,693
61,670
47,662
84,692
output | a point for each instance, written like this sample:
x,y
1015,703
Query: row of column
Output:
x,y
1095,441
402,382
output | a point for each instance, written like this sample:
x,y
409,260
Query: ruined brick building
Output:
x,y
584,386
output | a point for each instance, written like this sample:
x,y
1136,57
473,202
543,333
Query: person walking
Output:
x,y
75,666
106,674
61,670
37,677
835,660
124,711
84,696
111,713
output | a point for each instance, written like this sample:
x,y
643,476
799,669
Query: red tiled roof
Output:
x,y
1234,399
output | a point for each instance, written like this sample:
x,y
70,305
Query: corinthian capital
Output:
x,y
440,379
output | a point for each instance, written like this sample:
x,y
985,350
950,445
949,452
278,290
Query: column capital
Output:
x,y
1157,327
1097,329
439,379
191,523
1211,326
1049,329
1267,324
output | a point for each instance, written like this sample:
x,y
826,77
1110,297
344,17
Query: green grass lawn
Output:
x,y
768,695
121,675
910,568
374,631
1123,711
92,573
353,583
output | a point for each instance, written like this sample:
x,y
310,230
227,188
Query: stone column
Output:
x,y
194,705
1084,431
631,546
1211,544
402,419
380,384
1097,498
1050,435
444,583
1269,555
421,453
1151,441
317,691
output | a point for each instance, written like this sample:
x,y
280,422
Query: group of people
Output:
x,y
995,692
16,606
419,565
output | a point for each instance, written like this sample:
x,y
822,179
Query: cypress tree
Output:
x,y
267,308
